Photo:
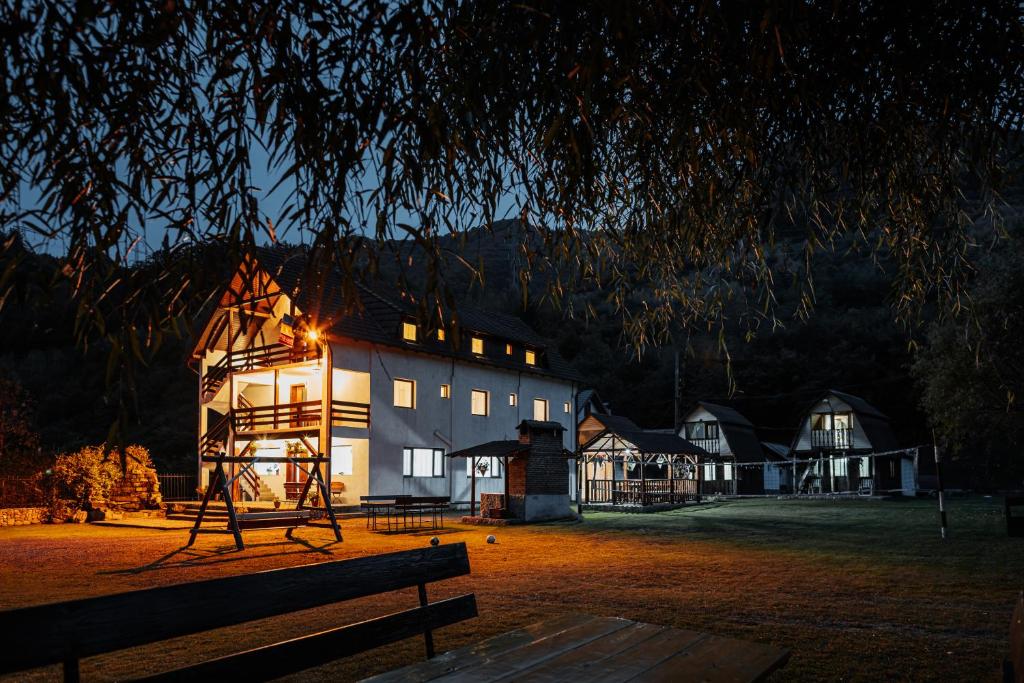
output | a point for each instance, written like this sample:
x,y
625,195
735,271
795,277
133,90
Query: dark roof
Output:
x,y
874,422
725,414
491,449
541,424
775,451
617,423
384,307
859,405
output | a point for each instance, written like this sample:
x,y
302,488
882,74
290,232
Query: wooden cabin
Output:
x,y
844,444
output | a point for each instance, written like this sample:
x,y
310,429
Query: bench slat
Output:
x,y
50,634
277,514
291,656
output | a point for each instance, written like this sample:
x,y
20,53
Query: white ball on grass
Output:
x,y
492,539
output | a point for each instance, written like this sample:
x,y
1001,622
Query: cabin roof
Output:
x,y
874,422
384,308
775,451
738,432
650,441
616,423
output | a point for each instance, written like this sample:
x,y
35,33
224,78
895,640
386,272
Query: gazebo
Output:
x,y
640,467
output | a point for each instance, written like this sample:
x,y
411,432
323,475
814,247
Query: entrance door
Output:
x,y
296,394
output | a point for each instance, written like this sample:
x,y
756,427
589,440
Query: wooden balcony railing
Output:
x,y
645,492
832,438
252,358
709,445
298,416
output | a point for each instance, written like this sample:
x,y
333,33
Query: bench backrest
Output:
x,y
68,631
1014,667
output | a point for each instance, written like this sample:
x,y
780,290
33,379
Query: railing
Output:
x,y
248,359
349,414
832,438
214,438
709,445
177,487
250,483
278,416
20,492
643,492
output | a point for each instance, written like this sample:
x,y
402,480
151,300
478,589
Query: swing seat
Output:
x,y
284,519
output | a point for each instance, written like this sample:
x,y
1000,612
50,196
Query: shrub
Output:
x,y
88,475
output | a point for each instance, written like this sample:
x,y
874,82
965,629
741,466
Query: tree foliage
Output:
x,y
20,452
665,145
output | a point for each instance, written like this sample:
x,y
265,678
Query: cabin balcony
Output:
x,y
710,445
832,438
253,358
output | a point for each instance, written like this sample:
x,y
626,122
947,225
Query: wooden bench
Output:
x,y
1013,667
65,632
281,519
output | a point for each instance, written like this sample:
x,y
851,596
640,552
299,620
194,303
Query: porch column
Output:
x,y
671,479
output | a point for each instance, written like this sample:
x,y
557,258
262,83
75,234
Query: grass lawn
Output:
x,y
859,590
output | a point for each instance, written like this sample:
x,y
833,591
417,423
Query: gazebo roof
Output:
x,y
492,449
646,441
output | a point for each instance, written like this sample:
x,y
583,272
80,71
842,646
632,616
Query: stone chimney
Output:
x,y
539,483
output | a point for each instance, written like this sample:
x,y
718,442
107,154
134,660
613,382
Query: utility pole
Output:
x,y
938,484
675,396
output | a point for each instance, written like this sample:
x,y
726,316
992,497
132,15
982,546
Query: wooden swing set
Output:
x,y
283,519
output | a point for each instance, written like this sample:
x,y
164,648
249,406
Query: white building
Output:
x,y
284,367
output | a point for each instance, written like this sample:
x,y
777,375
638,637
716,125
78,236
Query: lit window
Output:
x,y
446,391
531,357
485,467
409,331
565,407
709,472
513,399
477,346
727,472
405,393
422,462
478,402
440,335
540,409
508,349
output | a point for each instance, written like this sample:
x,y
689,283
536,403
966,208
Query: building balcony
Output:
x,y
832,438
251,359
710,445
303,416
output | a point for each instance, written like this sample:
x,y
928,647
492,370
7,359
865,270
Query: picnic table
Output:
x,y
404,510
589,648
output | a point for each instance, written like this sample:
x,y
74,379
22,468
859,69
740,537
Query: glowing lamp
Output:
x,y
312,335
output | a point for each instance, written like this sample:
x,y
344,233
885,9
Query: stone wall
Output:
x,y
20,516
139,490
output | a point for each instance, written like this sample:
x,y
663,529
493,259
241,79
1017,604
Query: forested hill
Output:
x,y
850,343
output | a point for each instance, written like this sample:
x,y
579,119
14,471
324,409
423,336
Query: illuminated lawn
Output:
x,y
858,590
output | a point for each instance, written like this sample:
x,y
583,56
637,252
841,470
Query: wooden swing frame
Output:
x,y
221,483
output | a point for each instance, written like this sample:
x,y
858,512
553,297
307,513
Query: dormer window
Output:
x,y
531,357
476,345
409,331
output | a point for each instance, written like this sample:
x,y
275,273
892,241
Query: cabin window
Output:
x,y
341,460
822,421
513,399
409,331
422,462
540,409
531,357
508,349
405,393
478,402
489,468
440,335
727,472
840,467
476,345
446,391
709,472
